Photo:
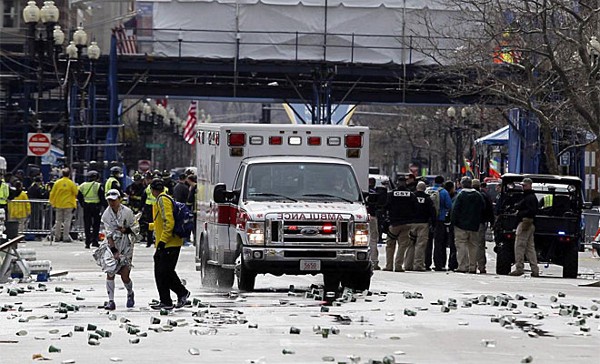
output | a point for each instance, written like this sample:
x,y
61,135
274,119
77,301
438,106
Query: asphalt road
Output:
x,y
255,327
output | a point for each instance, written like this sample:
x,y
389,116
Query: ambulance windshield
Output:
x,y
301,181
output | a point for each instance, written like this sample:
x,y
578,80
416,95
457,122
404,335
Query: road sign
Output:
x,y
144,165
565,159
154,146
38,144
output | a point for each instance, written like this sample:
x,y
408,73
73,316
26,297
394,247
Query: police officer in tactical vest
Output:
x,y
91,198
401,207
112,183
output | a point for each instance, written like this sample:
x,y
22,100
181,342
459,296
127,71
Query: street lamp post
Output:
x,y
78,79
451,113
48,15
47,47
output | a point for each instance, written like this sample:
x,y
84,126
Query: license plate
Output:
x,y
310,265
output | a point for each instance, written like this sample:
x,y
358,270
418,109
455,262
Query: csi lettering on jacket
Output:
x,y
401,206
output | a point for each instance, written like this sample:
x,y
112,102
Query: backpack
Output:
x,y
184,219
434,194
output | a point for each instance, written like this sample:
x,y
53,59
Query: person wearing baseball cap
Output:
x,y
527,208
121,229
168,245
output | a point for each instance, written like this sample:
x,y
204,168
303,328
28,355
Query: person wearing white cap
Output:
x,y
121,229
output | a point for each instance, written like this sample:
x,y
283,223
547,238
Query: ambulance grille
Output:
x,y
309,232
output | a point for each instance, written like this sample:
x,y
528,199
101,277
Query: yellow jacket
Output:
x,y
162,212
64,194
19,210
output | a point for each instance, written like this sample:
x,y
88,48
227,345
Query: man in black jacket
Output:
x,y
467,214
524,246
401,208
425,215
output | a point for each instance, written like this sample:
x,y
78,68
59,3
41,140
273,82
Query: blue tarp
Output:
x,y
499,137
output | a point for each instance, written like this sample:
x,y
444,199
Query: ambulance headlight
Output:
x,y
255,232
361,234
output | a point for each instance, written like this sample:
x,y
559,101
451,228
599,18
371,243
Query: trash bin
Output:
x,y
12,229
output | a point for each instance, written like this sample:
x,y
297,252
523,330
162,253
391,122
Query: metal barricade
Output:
x,y
40,222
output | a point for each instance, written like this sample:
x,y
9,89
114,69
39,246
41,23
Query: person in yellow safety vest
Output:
x,y
4,195
63,197
91,198
112,183
18,210
547,200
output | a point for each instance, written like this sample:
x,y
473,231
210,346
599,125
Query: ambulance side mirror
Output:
x,y
220,193
378,198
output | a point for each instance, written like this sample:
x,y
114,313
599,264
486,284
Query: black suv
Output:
x,y
558,231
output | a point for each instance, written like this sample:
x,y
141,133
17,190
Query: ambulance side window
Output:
x,y
237,186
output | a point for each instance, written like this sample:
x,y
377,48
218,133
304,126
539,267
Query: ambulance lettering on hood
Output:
x,y
309,216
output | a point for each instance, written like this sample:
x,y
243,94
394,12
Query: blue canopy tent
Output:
x,y
492,164
498,137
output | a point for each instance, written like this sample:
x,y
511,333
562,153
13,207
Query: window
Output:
x,y
9,14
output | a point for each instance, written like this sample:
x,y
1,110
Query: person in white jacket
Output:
x,y
121,229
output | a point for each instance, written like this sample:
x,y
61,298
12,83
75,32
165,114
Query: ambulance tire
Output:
x,y
331,282
225,277
358,281
246,278
208,272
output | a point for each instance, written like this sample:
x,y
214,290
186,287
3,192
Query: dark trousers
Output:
x,y
443,238
429,247
165,260
91,223
145,220
452,259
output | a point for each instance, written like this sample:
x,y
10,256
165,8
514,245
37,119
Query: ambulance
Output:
x,y
282,199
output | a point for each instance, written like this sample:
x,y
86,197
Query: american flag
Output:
x,y
126,40
189,133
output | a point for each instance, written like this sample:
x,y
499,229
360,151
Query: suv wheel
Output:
x,y
571,262
503,260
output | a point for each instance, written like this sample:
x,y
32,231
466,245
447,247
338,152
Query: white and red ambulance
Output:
x,y
282,199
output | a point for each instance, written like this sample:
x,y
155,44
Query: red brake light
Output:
x,y
314,140
236,139
242,217
275,140
353,141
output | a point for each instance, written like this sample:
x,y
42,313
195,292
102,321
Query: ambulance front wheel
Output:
x,y
225,277
246,278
